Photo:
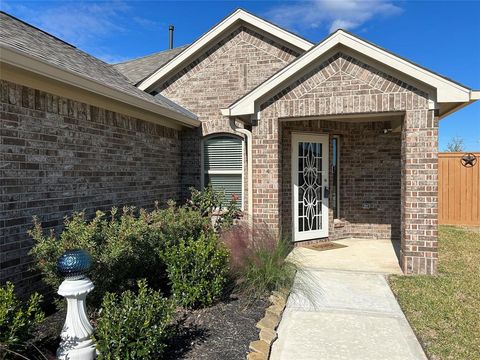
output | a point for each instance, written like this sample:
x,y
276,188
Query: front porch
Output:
x,y
387,131
352,254
347,185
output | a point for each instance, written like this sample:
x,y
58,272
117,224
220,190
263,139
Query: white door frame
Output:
x,y
324,140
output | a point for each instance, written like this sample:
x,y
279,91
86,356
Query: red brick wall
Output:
x,y
343,85
58,156
420,192
218,77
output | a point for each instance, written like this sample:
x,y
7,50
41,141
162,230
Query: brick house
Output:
x,y
319,141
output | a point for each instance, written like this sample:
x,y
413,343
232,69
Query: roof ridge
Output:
x,y
152,54
38,29
274,24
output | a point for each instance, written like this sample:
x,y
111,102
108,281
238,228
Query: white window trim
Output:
x,y
337,137
219,172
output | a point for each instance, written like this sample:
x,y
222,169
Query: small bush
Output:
x,y
122,248
17,320
197,270
126,245
258,260
133,326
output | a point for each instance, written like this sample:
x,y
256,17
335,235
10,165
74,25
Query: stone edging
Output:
x,y
260,349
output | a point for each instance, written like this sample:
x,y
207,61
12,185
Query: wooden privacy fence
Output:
x,y
458,190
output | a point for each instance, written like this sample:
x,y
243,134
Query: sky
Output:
x,y
443,36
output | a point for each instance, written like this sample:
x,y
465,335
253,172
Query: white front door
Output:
x,y
310,186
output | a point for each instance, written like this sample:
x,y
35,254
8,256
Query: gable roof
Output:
x,y
445,90
237,17
27,47
138,69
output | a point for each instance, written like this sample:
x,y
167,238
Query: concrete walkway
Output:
x,y
343,314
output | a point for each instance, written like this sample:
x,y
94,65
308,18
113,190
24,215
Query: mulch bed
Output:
x,y
220,332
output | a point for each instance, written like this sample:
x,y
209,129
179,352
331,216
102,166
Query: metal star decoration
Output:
x,y
469,160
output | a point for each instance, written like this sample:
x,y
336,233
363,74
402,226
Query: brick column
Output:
x,y
419,253
266,179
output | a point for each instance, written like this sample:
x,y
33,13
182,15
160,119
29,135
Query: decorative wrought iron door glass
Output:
x,y
309,186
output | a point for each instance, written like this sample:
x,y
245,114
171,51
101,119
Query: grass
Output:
x,y
444,310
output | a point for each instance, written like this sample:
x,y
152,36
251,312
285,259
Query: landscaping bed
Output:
x,y
444,309
163,281
220,332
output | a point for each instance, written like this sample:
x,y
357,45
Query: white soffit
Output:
x,y
237,16
446,90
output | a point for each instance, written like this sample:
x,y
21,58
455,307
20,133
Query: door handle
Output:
x,y
326,192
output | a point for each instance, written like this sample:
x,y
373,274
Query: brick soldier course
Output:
x,y
63,150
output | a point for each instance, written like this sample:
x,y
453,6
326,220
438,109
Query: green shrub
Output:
x,y
133,326
17,320
197,270
258,260
210,203
126,245
175,223
122,248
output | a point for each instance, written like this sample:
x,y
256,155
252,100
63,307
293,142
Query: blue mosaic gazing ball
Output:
x,y
74,264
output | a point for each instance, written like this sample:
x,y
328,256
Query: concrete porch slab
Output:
x,y
366,255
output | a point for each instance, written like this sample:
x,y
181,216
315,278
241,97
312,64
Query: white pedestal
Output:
x,y
76,343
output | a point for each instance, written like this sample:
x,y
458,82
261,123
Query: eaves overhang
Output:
x,y
20,59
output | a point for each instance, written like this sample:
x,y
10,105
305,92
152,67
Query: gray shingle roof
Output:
x,y
138,69
34,42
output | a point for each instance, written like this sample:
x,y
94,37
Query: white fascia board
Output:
x,y
447,91
474,95
24,61
238,15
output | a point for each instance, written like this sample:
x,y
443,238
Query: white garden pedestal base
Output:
x,y
76,343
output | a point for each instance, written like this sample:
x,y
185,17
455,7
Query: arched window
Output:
x,y
223,165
